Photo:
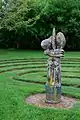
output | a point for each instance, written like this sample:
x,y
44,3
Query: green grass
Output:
x,y
31,66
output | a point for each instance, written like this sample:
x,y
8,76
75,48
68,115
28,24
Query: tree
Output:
x,y
27,22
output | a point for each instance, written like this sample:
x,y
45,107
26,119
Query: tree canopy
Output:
x,y
25,23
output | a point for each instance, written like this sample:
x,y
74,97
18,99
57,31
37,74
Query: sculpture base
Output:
x,y
53,93
39,101
52,102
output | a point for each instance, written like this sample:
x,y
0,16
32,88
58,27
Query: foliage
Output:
x,y
27,22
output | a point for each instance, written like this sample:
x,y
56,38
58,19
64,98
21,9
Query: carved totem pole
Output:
x,y
53,47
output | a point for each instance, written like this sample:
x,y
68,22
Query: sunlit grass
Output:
x,y
31,66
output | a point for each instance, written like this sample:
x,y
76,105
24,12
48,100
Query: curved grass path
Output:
x,y
23,73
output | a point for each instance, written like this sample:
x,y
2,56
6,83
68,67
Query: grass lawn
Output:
x,y
19,72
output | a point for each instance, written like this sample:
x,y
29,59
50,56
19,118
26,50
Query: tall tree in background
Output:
x,y
27,22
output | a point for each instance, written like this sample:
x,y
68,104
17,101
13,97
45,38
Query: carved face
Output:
x,y
45,44
50,42
60,40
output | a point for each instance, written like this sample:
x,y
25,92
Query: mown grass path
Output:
x,y
23,73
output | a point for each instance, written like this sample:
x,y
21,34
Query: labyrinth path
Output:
x,y
33,70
